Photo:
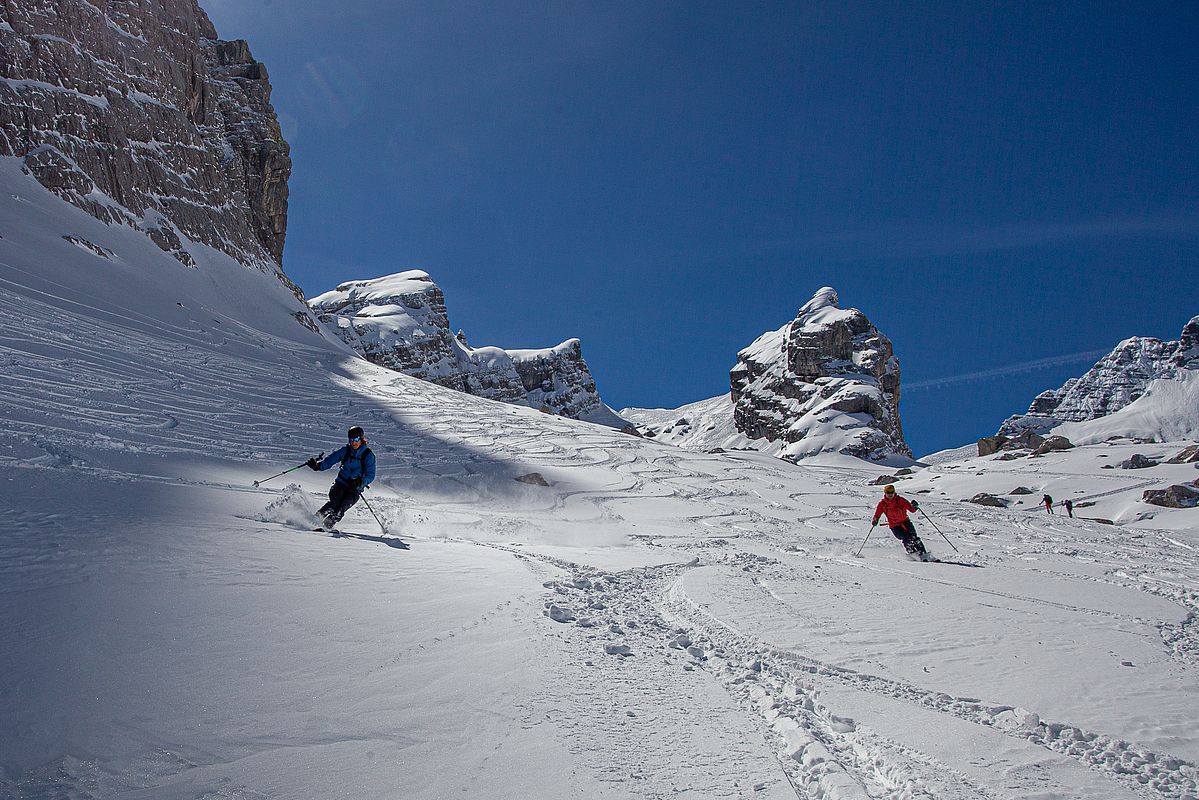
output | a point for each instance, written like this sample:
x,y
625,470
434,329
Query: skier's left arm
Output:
x,y
907,504
368,469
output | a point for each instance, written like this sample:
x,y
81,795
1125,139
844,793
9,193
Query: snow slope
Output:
x,y
655,623
1167,411
703,425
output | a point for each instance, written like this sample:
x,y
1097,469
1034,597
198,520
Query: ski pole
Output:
x,y
284,472
938,530
872,527
382,527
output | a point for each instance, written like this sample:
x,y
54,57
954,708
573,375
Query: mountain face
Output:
x,y
1116,381
138,114
826,382
400,322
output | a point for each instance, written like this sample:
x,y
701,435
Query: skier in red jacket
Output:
x,y
896,509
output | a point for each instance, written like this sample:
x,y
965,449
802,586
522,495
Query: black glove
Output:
x,y
356,483
312,464
915,505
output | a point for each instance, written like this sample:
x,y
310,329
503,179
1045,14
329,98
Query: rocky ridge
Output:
x,y
1115,382
400,322
140,115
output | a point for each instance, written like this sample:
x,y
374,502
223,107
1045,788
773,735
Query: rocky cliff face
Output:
x,y
137,113
1116,381
828,381
400,322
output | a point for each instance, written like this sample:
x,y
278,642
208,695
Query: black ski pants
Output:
x,y
906,533
341,497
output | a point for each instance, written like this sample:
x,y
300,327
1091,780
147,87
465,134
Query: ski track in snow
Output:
x,y
822,754
1165,775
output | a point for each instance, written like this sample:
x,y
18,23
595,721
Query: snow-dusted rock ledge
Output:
x,y
400,322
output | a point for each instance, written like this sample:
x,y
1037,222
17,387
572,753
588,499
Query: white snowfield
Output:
x,y
703,425
656,623
1168,410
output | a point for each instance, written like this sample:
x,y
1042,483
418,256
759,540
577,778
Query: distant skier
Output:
x,y
896,509
1070,508
356,473
1048,501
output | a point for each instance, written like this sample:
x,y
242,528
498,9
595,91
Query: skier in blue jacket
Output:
x,y
356,473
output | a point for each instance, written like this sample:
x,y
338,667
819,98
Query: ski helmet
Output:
x,y
354,433
889,488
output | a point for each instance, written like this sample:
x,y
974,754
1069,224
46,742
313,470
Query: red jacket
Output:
x,y
896,509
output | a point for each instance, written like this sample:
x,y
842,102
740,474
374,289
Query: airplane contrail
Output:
x,y
1011,369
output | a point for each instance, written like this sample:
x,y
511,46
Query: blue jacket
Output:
x,y
355,464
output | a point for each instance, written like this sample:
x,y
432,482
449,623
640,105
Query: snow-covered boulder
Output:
x,y
828,381
1052,444
1188,455
989,445
1138,461
1180,495
1026,439
400,322
1115,382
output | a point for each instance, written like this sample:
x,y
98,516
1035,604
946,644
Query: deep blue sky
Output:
x,y
993,184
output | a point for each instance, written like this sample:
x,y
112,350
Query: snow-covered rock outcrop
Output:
x,y
138,114
1115,382
400,322
826,382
